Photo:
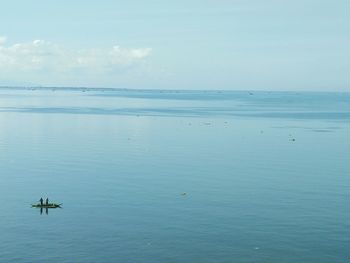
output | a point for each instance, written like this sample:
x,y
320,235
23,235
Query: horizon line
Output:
x,y
163,90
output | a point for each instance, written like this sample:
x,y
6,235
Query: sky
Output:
x,y
183,44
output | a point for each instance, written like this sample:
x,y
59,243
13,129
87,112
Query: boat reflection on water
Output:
x,y
46,210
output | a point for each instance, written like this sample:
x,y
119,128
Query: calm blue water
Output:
x,y
266,176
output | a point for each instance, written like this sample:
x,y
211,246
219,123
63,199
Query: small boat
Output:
x,y
53,205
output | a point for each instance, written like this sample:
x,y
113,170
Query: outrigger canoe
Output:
x,y
47,206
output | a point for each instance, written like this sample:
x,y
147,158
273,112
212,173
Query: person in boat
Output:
x,y
47,201
41,201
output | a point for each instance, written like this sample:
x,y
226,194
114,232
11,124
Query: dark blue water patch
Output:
x,y
183,112
175,95
340,116
311,101
322,130
314,129
289,127
261,99
176,112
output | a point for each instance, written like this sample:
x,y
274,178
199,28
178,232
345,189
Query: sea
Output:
x,y
174,176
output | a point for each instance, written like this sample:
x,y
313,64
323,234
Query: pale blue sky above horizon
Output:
x,y
237,44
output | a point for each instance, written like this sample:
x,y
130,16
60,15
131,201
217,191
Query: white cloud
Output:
x,y
43,56
2,40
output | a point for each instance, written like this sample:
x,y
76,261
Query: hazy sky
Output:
x,y
183,44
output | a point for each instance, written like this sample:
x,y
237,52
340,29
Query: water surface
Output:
x,y
266,176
